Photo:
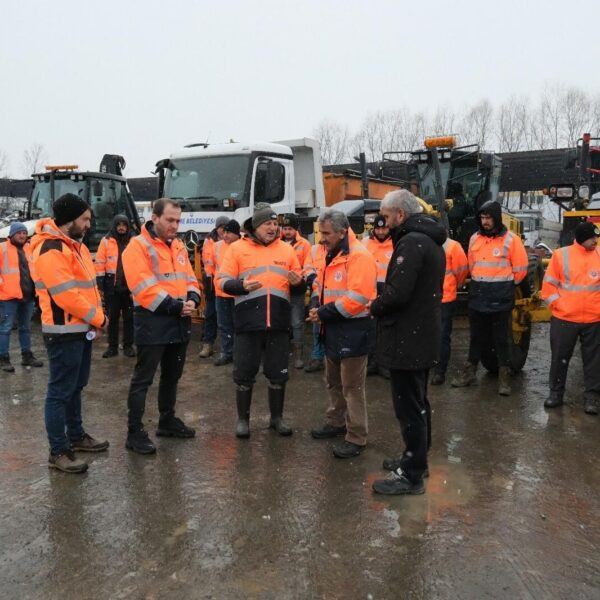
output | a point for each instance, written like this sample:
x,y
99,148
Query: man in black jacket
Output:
x,y
409,332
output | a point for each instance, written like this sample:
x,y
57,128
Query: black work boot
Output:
x,y
347,450
243,398
5,364
139,442
29,360
328,431
276,396
173,426
438,378
129,351
398,484
554,399
110,352
393,463
590,406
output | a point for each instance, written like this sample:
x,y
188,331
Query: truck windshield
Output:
x,y
41,197
203,183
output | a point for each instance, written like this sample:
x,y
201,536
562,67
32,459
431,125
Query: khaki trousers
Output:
x,y
347,397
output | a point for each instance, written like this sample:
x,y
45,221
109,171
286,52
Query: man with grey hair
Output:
x,y
344,286
408,313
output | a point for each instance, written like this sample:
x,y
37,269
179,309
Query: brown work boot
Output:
x,y
67,462
466,376
504,381
206,350
88,444
298,362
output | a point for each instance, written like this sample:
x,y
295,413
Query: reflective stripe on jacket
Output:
x,y
571,286
156,271
497,264
65,282
345,286
10,275
382,252
268,307
220,249
107,257
457,269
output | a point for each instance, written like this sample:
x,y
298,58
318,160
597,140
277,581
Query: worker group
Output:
x,y
384,304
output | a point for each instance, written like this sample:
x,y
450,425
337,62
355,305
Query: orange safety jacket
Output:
x,y
220,249
571,286
267,307
302,248
344,287
208,256
497,264
107,257
382,252
65,282
457,269
10,275
157,272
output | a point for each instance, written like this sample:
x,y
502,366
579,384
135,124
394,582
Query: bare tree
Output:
x,y
476,125
443,121
334,139
575,112
4,162
511,124
33,158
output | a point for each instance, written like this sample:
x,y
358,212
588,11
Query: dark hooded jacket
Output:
x,y
408,310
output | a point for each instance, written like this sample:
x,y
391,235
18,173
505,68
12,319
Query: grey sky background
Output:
x,y
142,78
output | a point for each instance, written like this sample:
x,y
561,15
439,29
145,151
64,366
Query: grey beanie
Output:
x,y
221,221
262,213
15,227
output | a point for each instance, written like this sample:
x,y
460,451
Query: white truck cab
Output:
x,y
230,179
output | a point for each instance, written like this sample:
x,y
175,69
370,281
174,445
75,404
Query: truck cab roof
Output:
x,y
198,150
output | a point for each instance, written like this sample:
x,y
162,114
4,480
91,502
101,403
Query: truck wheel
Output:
x,y
518,347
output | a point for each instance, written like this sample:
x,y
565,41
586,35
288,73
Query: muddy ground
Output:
x,y
512,506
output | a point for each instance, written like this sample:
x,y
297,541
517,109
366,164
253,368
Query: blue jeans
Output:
x,y
209,331
69,374
225,321
9,311
318,349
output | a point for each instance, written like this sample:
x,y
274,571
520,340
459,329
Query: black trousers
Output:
x,y
120,303
171,358
563,337
490,330
409,394
273,347
447,317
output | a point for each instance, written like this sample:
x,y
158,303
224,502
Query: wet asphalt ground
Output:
x,y
512,506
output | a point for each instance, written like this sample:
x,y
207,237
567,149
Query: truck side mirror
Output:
x,y
269,184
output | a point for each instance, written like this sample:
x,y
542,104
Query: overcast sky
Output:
x,y
142,78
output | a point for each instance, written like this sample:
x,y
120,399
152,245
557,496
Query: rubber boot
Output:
x,y
243,398
504,381
276,395
465,377
298,362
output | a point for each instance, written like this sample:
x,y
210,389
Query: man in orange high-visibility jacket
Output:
x,y
457,269
259,270
345,285
165,293
379,244
209,328
315,260
65,282
498,263
225,302
571,289
112,285
17,294
291,235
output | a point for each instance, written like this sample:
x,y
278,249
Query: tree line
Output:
x,y
555,119
32,161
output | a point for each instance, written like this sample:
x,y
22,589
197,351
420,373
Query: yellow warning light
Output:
x,y
62,167
444,141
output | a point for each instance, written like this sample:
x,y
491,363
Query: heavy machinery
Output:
x,y
105,191
453,182
579,201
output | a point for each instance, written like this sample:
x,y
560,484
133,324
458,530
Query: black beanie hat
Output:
x,y
379,221
586,230
68,208
232,227
290,220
